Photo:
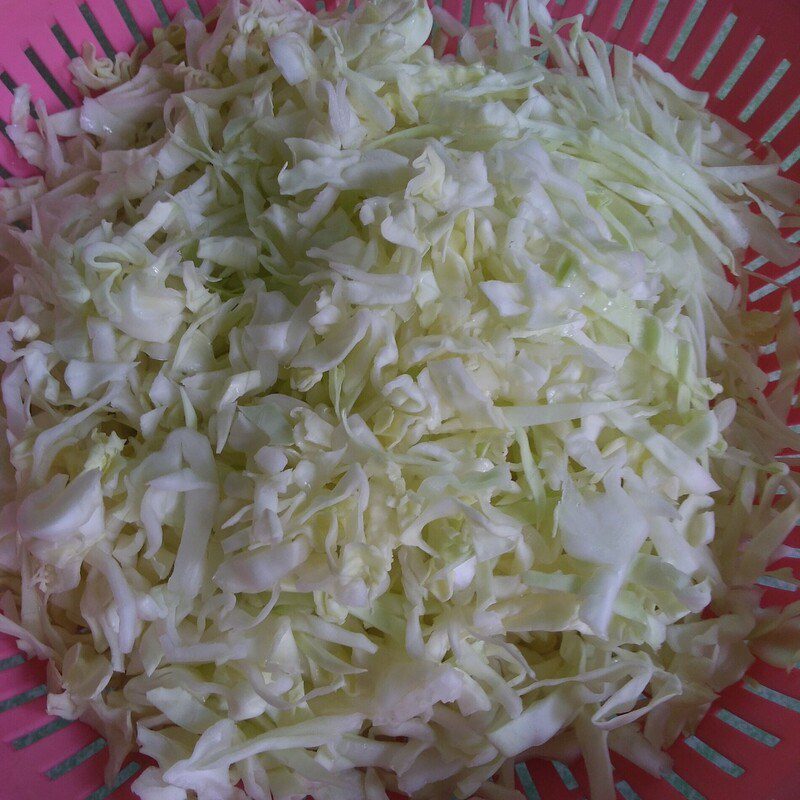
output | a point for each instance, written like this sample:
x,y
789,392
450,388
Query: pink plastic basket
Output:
x,y
745,54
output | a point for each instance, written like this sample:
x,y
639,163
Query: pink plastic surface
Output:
x,y
755,730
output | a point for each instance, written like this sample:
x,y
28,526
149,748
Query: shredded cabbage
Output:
x,y
374,417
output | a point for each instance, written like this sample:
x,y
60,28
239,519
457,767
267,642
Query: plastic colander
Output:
x,y
746,54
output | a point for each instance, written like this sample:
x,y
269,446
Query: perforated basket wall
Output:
x,y
746,54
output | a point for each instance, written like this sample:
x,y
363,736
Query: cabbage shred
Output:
x,y
373,418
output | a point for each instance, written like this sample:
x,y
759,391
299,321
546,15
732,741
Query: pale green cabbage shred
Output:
x,y
376,418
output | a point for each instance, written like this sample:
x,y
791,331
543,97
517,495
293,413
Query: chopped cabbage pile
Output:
x,y
374,417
